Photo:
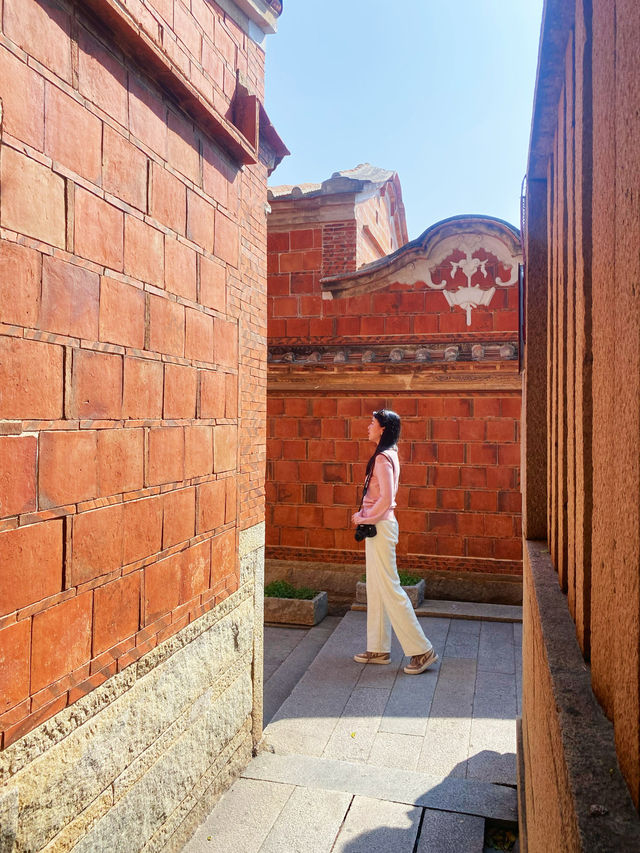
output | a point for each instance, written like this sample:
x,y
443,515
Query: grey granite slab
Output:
x,y
455,688
354,733
496,650
468,796
448,832
463,639
310,820
287,661
445,747
407,710
249,808
395,750
378,826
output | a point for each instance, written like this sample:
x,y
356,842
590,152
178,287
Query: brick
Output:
x,y
31,376
142,529
20,273
183,151
120,460
447,430
124,169
98,230
503,429
215,175
509,454
148,117
67,468
212,394
226,239
168,197
23,180
471,524
473,476
162,582
180,269
166,455
213,278
224,556
96,385
450,499
482,454
450,453
15,662
499,525
70,299
143,383
200,221
42,29
196,570
179,516
116,612
61,640
180,391
508,549
472,430
72,135
22,100
278,242
30,564
486,407
225,343
424,452
231,500
17,474
511,407
143,251
231,395
509,502
479,500
480,547
225,447
166,326
97,544
122,313
198,336
198,451
446,475
211,506
501,478
101,78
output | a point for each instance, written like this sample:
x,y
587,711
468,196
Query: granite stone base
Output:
x,y
296,611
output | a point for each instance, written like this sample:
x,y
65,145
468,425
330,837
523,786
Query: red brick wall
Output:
x,y
132,369
459,505
459,494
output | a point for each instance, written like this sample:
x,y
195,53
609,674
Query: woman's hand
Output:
x,y
356,519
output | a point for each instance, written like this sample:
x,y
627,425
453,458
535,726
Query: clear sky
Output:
x,y
440,91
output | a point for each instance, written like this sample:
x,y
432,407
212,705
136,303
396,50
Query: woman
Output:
x,y
387,603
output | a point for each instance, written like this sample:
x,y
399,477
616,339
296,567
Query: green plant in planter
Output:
x,y
406,579
283,589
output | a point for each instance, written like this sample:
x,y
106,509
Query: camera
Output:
x,y
364,530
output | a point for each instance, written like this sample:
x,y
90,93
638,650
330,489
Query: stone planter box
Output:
x,y
415,593
296,611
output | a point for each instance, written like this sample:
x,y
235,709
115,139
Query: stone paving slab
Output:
x,y
249,808
378,826
468,796
309,821
445,832
288,654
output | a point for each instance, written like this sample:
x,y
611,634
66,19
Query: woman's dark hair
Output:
x,y
390,423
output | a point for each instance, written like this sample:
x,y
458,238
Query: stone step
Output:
x,y
449,794
463,610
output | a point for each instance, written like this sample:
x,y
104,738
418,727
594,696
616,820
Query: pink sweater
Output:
x,y
380,499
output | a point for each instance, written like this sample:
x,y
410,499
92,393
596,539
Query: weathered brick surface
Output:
x,y
132,363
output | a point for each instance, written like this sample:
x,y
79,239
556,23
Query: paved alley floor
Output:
x,y
366,758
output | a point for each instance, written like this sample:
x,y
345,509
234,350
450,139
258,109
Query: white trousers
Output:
x,y
388,604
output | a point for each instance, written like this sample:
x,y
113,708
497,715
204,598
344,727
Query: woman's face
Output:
x,y
374,430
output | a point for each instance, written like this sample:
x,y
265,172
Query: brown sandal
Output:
x,y
372,657
419,663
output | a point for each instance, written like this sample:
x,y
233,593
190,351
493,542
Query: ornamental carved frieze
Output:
x,y
467,258
392,355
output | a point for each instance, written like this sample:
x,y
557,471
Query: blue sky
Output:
x,y
438,90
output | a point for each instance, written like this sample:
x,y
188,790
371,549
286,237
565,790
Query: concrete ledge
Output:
x,y
463,610
603,811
